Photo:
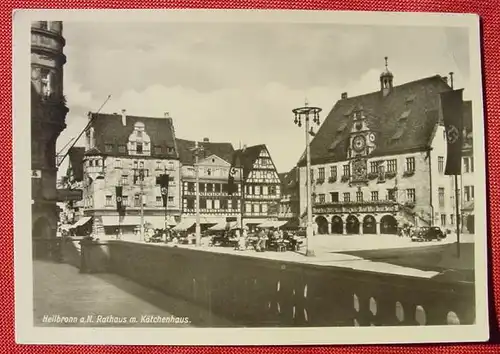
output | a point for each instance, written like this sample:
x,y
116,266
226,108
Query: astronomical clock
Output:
x,y
362,143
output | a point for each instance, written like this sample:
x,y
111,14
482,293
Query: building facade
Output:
x,y
290,196
73,180
378,161
129,152
467,178
214,163
261,185
48,115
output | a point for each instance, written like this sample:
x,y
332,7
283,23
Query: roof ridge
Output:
x,y
115,114
436,76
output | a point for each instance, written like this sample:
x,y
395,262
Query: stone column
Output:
x,y
330,231
361,228
344,228
377,227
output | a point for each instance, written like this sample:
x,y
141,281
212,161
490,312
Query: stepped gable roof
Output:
x,y
109,129
246,157
223,150
76,155
403,121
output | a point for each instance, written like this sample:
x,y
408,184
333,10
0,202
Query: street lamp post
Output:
x,y
304,114
196,151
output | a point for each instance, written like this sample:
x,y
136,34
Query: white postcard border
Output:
x,y
27,333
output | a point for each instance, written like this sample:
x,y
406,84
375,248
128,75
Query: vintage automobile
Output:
x,y
426,233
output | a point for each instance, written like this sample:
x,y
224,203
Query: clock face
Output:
x,y
358,143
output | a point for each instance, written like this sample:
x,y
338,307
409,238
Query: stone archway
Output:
x,y
322,225
352,225
337,225
388,225
369,225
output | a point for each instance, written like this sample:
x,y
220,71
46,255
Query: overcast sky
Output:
x,y
239,82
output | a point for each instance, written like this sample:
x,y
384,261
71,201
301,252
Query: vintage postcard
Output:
x,y
310,177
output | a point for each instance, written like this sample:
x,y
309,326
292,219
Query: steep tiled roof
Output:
x,y
109,129
289,180
402,121
246,157
223,150
76,154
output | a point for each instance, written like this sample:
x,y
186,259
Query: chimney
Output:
x,y
166,114
206,140
343,95
124,117
445,79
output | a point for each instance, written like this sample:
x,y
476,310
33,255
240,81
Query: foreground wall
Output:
x,y
258,292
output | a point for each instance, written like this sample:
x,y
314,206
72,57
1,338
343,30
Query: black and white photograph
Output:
x,y
310,177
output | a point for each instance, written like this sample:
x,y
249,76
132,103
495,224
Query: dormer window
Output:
x,y
158,150
138,148
139,134
122,149
44,25
108,148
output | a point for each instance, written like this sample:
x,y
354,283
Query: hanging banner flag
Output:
x,y
232,187
119,198
452,110
163,181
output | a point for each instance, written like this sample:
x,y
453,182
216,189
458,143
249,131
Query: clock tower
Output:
x,y
361,144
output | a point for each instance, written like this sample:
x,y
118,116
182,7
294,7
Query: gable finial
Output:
x,y
386,63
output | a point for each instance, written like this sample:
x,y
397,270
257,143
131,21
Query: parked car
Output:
x,y
427,233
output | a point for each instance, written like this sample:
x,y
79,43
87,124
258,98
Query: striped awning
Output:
x,y
273,223
189,222
81,222
157,222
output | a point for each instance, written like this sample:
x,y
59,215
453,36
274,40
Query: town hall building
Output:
x,y
378,161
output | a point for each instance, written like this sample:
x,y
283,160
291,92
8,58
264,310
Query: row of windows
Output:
x,y
160,165
374,196
256,208
375,167
125,179
208,187
216,204
137,200
223,187
140,148
262,190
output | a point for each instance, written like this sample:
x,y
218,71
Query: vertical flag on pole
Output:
x,y
119,201
119,198
163,182
452,111
231,184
